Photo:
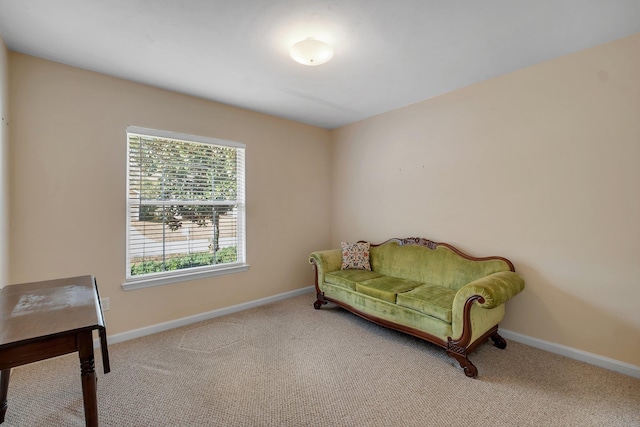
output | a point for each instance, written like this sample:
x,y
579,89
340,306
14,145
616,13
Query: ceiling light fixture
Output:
x,y
311,52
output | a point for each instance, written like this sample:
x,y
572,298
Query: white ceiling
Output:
x,y
388,53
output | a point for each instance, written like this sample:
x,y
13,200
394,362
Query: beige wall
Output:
x,y
541,166
68,157
4,172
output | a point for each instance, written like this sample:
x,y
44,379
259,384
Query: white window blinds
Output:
x,y
186,204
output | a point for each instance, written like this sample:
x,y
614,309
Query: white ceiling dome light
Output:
x,y
311,52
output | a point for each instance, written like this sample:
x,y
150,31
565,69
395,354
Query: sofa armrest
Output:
x,y
325,262
495,289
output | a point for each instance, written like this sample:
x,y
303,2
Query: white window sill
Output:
x,y
147,282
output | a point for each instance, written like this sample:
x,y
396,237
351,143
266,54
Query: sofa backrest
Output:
x,y
439,266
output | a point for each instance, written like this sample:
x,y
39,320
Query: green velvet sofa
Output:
x,y
427,289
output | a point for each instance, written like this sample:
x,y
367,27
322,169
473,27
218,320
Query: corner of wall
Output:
x,y
333,137
4,163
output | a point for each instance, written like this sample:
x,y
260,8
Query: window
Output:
x,y
185,207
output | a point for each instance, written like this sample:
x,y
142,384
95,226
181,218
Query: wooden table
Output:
x,y
48,319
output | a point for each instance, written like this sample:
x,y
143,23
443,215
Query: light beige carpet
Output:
x,y
286,364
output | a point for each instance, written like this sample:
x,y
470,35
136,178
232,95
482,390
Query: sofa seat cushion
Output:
x,y
434,300
349,278
385,287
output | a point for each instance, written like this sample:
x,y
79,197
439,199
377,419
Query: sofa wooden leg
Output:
x,y
498,341
319,302
460,355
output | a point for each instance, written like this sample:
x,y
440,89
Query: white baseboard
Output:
x,y
160,327
573,353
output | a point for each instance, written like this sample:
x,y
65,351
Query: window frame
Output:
x,y
191,273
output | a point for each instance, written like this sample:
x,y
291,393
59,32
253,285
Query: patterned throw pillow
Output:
x,y
355,256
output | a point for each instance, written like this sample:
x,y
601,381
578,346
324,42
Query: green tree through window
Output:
x,y
186,202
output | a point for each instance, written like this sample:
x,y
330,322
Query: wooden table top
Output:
x,y
30,311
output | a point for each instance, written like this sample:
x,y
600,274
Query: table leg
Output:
x,y
5,374
88,376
